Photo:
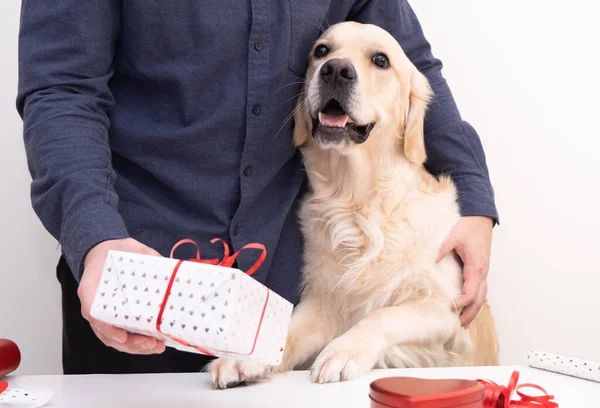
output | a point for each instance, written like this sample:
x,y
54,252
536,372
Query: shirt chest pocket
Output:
x,y
308,17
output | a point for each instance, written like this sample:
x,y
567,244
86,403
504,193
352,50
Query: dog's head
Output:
x,y
361,86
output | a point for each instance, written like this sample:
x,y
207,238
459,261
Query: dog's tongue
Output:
x,y
333,119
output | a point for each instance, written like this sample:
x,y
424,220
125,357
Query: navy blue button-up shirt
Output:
x,y
161,120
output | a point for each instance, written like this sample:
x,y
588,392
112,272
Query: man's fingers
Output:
x,y
124,348
150,251
111,332
133,245
119,336
159,349
470,287
108,342
465,300
447,247
134,345
471,311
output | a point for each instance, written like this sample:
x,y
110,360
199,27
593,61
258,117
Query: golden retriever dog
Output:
x,y
373,295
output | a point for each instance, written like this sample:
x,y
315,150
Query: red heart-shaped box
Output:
x,y
409,392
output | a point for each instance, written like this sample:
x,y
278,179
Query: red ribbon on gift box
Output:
x,y
498,396
227,261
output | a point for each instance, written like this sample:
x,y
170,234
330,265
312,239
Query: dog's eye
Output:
x,y
321,51
381,60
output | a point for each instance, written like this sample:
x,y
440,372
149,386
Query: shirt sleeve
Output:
x,y
66,50
452,144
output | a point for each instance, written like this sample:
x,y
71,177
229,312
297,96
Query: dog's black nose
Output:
x,y
338,71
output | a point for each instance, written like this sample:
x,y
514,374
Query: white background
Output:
x,y
524,73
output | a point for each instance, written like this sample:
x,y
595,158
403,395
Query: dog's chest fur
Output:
x,y
371,242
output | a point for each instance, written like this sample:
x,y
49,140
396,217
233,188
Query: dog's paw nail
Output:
x,y
230,374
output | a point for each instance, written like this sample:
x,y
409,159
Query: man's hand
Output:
x,y
471,238
110,335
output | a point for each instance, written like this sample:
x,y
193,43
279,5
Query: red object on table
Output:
x,y
408,392
10,357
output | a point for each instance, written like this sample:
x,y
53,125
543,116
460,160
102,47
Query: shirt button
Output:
x,y
248,171
258,45
236,230
256,109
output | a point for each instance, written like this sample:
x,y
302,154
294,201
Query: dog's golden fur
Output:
x,y
374,222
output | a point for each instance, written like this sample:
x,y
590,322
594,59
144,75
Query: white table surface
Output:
x,y
289,390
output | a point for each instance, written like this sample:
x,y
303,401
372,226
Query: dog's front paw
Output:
x,y
342,360
226,373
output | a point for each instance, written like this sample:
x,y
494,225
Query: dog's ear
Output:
x,y
414,136
301,123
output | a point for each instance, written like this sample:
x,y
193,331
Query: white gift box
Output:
x,y
203,308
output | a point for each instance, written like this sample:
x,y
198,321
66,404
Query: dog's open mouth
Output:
x,y
333,124
333,115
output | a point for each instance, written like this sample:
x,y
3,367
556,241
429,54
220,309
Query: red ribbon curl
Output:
x,y
498,396
227,260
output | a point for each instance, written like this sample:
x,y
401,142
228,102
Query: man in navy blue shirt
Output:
x,y
150,121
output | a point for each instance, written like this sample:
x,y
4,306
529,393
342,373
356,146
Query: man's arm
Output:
x,y
66,50
453,146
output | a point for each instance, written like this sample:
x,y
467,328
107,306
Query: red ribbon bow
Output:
x,y
498,396
227,262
